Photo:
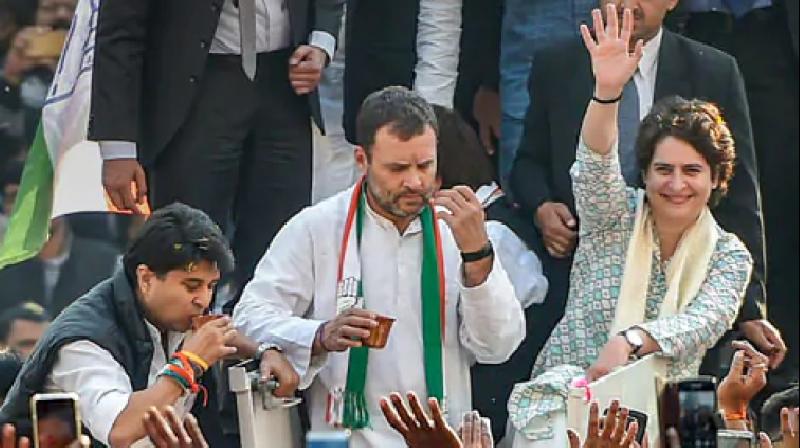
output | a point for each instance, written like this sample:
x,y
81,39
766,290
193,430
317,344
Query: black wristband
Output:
x,y
603,101
486,251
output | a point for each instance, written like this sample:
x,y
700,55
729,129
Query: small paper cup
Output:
x,y
379,336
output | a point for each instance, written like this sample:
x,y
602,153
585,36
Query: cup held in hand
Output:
x,y
379,336
199,321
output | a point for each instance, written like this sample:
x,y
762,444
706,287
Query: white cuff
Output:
x,y
110,150
325,41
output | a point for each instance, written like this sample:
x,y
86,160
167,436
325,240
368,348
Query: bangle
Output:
x,y
607,101
195,358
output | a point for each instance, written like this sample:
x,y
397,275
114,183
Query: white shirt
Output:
x,y
438,44
102,384
273,32
293,293
645,77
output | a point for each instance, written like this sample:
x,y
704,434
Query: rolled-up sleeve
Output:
x,y
492,320
273,303
438,40
101,383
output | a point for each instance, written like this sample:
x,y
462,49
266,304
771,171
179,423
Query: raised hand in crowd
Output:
x,y
165,429
747,376
124,182
790,430
475,431
9,438
419,430
558,228
346,330
766,338
305,68
23,56
607,432
486,111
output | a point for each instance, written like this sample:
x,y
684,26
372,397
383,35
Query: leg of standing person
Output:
x,y
200,167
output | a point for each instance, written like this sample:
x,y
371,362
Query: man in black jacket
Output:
x,y
112,346
562,86
213,100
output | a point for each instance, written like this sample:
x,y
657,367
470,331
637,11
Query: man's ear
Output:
x,y
144,278
362,159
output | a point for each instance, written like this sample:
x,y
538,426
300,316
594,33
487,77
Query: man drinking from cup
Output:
x,y
392,246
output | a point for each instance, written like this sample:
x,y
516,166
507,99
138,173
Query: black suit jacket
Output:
x,y
151,54
380,51
89,263
562,85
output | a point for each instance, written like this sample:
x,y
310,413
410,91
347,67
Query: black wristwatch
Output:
x,y
262,349
485,251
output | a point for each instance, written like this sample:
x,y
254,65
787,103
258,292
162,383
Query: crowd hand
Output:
x,y
347,330
475,431
305,68
612,63
486,111
464,215
607,432
558,228
614,354
766,338
747,376
165,429
18,61
790,426
213,340
419,430
9,439
275,365
119,175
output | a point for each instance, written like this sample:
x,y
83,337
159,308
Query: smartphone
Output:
x,y
56,420
46,45
735,439
697,403
638,417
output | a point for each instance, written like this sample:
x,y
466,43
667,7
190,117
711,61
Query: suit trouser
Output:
x,y
243,156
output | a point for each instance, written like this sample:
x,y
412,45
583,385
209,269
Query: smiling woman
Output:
x,y
653,272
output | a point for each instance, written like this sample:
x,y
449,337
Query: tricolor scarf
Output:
x,y
350,410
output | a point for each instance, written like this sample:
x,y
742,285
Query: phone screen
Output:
x,y
56,421
698,424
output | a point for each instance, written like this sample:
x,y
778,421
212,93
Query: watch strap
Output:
x,y
485,251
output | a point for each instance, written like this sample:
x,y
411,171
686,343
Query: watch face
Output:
x,y
634,338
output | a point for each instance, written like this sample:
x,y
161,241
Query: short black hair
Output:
x,y
172,238
407,114
770,417
460,156
30,311
10,365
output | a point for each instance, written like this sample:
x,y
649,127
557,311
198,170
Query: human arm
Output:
x,y
417,429
747,376
308,61
166,430
274,302
609,434
438,40
119,53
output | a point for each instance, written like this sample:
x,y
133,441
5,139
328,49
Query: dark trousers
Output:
x,y
244,157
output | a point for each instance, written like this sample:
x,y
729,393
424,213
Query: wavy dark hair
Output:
x,y
696,122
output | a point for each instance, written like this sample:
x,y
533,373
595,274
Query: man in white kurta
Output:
x,y
293,293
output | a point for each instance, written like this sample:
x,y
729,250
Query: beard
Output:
x,y
390,202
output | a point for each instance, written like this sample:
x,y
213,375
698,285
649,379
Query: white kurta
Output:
x,y
293,292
